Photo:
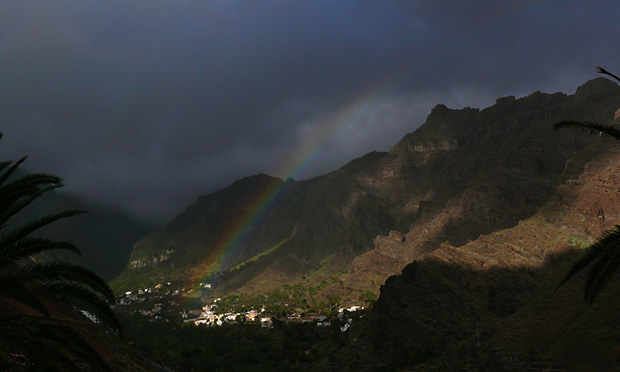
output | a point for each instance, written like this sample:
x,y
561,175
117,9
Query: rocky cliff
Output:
x,y
491,303
464,173
505,163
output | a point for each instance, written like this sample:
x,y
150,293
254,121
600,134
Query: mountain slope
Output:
x,y
507,165
491,304
463,173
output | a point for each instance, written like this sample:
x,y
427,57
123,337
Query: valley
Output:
x,y
309,186
455,240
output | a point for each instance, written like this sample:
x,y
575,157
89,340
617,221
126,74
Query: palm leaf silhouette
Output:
x,y
603,257
34,290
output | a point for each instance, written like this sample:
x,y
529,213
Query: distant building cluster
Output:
x,y
208,316
161,297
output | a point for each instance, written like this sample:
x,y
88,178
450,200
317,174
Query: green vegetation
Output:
x,y
368,297
579,243
261,254
294,343
283,302
143,277
39,296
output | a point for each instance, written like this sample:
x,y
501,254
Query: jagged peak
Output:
x,y
595,89
438,132
256,178
439,108
363,161
505,100
441,111
442,124
243,182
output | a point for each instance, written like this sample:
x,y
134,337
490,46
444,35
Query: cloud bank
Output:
x,y
148,104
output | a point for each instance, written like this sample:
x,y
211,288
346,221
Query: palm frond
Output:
x,y
15,207
81,296
603,269
10,171
4,164
29,247
48,344
25,298
601,70
40,301
21,202
603,256
63,271
606,243
28,185
590,128
22,232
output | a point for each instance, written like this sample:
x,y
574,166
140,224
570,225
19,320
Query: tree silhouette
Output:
x,y
603,256
43,301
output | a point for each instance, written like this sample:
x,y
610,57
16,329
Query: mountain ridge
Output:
x,y
463,173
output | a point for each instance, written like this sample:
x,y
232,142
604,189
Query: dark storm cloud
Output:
x,y
148,104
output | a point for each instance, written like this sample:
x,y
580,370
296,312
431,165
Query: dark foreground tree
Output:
x,y
603,256
44,302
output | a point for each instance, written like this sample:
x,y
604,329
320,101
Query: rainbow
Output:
x,y
332,127
237,232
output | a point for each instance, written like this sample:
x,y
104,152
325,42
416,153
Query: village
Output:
x,y
162,303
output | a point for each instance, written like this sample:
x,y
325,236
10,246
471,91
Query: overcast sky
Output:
x,y
147,104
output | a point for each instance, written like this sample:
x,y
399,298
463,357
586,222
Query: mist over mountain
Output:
x,y
105,234
181,94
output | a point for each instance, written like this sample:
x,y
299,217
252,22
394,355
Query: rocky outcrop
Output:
x,y
391,245
494,299
509,162
152,259
492,303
